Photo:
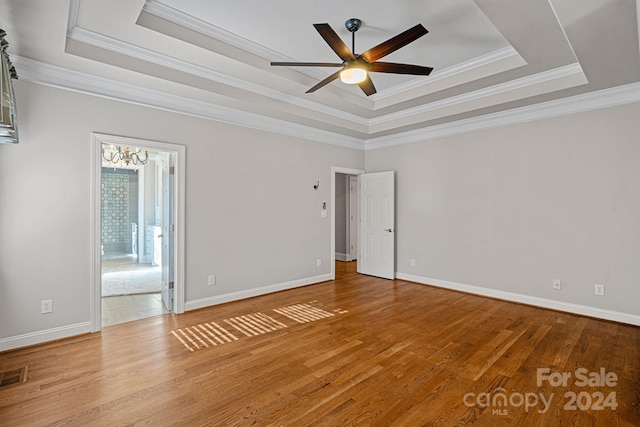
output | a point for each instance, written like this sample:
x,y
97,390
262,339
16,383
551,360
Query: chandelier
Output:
x,y
125,155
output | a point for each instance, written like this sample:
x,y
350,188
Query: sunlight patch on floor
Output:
x,y
211,334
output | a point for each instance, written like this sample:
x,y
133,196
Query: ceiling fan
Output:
x,y
355,68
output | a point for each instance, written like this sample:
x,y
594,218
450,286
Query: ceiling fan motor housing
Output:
x,y
353,24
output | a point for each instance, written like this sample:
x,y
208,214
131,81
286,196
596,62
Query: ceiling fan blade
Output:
x,y
334,41
394,43
390,67
306,64
367,86
325,82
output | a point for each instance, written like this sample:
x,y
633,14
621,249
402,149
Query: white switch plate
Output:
x,y
46,306
413,262
323,213
557,284
212,280
318,262
598,289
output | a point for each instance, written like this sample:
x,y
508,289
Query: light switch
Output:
x,y
323,213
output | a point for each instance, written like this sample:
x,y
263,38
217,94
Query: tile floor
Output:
x,y
125,308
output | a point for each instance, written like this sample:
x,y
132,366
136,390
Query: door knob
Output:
x,y
389,230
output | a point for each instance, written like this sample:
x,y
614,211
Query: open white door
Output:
x,y
377,224
168,234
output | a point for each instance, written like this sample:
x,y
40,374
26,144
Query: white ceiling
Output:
x,y
494,60
282,30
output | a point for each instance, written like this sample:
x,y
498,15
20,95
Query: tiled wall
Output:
x,y
119,209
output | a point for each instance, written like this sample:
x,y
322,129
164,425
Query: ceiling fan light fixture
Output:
x,y
353,75
355,67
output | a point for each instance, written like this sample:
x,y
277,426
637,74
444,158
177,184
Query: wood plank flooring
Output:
x,y
355,351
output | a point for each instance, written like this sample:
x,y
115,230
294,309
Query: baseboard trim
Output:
x,y
254,292
584,310
46,335
342,257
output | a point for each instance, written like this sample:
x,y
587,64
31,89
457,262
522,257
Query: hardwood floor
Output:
x,y
355,351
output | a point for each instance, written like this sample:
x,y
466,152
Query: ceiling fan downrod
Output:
x,y
353,25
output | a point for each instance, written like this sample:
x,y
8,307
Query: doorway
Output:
x,y
344,216
346,204
375,222
138,230
131,243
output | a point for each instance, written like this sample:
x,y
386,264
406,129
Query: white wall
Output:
x,y
505,210
512,208
252,213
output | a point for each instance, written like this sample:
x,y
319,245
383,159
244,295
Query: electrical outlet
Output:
x,y
212,280
318,262
46,306
598,289
557,284
413,262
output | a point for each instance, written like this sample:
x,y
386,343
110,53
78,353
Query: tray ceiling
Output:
x,y
492,59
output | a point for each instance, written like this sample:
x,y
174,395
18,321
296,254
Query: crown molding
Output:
x,y
102,41
439,76
157,8
74,10
182,19
177,17
571,70
52,75
191,23
114,45
46,74
605,98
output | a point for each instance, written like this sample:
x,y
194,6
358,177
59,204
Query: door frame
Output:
x,y
334,171
352,218
97,139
